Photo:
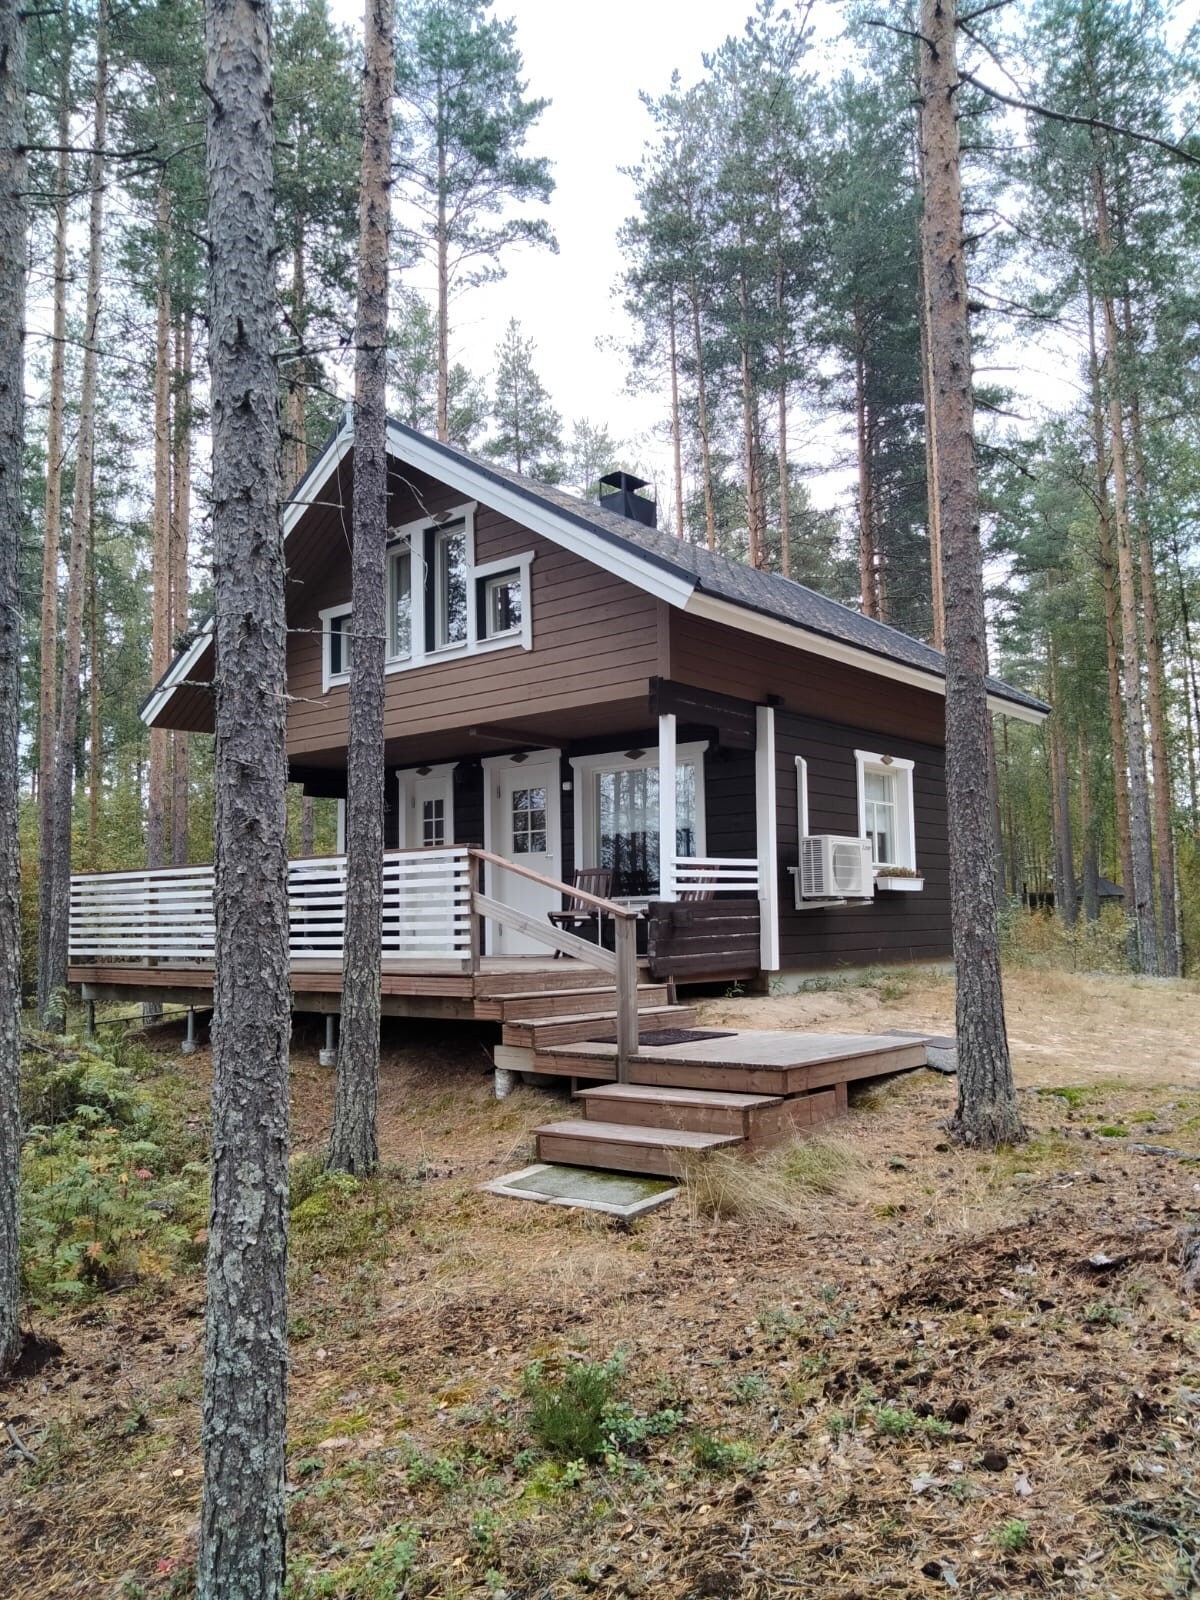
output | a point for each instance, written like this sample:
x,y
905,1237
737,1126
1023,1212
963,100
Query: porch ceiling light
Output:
x,y
634,755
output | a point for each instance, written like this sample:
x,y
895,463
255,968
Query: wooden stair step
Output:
x,y
624,1147
540,1032
550,977
520,1005
701,1110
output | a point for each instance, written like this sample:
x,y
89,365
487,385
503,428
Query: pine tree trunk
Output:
x,y
1087,828
13,236
1131,674
1164,837
52,982
1108,580
160,560
181,515
295,449
1067,901
52,517
353,1144
987,1112
710,510
443,297
95,755
866,519
785,508
243,1511
676,430
937,635
749,455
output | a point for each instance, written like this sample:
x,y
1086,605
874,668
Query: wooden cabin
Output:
x,y
754,772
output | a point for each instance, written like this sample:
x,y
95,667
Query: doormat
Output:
x,y
670,1036
619,1194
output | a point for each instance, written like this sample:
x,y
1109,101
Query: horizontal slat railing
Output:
x,y
167,914
719,874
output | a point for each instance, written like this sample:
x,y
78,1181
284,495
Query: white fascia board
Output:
x,y
293,510
818,644
672,587
179,671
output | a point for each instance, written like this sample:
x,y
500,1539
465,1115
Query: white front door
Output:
x,y
427,808
525,828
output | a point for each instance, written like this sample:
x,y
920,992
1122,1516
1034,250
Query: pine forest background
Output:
x,y
775,308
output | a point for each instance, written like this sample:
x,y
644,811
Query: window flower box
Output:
x,y
899,880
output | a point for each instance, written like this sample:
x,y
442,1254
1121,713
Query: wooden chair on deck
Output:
x,y
703,889
577,916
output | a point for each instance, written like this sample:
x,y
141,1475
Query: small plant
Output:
x,y
1012,1537
720,1456
1112,1130
892,1422
1075,1095
747,1388
1100,1313
567,1412
486,1527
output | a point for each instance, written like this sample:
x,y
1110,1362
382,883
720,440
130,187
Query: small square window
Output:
x,y
340,639
500,607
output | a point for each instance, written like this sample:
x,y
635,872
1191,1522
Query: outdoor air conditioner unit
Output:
x,y
835,868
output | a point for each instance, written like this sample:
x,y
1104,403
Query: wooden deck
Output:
x,y
409,988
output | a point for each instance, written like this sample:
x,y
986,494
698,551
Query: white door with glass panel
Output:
x,y
524,810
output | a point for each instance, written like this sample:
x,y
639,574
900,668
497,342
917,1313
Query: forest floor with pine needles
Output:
x,y
870,1364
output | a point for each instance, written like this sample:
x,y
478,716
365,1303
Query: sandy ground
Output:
x,y
1063,1028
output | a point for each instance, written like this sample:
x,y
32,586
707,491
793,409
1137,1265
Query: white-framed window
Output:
x,y
616,814
440,600
399,602
335,645
885,808
450,560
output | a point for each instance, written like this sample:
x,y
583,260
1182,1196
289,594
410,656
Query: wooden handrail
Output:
x,y
610,906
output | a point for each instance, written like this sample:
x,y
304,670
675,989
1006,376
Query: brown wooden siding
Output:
x,y
595,639
896,927
740,664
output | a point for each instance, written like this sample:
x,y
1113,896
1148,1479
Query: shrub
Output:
x,y
62,1076
567,1412
1012,1537
1040,939
713,1453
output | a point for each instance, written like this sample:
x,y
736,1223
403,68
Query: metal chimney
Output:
x,y
620,492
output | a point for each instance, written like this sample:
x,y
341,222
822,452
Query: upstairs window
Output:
x,y
449,587
336,643
500,601
885,808
400,603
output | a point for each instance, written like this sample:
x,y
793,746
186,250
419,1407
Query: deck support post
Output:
x,y
188,1047
627,995
667,831
90,1025
328,1056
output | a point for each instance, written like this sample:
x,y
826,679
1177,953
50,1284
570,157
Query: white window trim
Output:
x,y
890,766
585,767
453,528
397,547
425,651
328,677
494,569
406,795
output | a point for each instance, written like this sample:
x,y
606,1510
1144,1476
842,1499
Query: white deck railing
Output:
x,y
167,914
720,874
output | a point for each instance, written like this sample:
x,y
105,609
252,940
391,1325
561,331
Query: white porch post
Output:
x,y
666,806
768,838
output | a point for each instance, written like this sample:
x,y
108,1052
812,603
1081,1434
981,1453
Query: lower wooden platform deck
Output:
x,y
434,989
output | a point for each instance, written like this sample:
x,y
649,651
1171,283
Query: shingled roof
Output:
x,y
725,579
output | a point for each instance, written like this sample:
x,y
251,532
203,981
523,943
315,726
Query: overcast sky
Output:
x,y
591,62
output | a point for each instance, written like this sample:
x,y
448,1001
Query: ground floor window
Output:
x,y
885,808
617,815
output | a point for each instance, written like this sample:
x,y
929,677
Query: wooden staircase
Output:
x,y
743,1092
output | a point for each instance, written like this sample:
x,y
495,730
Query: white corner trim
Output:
x,y
560,529
767,833
713,609
330,679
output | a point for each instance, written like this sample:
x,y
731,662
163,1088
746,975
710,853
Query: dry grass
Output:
x,y
819,1346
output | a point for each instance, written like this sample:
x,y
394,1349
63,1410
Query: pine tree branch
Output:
x,y
891,27
983,11
1079,121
